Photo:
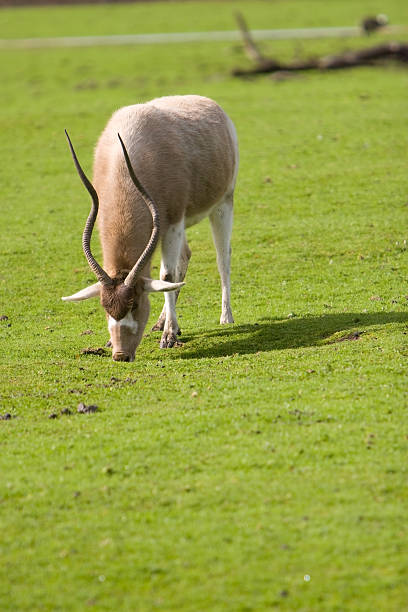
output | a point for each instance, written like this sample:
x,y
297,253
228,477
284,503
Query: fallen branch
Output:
x,y
250,47
349,59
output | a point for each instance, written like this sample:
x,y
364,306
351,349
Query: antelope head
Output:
x,y
125,299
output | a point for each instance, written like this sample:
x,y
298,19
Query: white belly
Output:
x,y
189,221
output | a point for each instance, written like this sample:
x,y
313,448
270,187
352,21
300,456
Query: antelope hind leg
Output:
x,y
221,225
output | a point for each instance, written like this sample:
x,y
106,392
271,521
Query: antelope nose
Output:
x,y
120,357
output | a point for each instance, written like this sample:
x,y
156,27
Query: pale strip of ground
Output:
x,y
186,37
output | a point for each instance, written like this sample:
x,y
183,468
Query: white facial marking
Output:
x,y
127,321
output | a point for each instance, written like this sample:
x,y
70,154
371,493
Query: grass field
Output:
x,y
259,466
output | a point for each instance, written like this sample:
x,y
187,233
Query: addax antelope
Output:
x,y
159,167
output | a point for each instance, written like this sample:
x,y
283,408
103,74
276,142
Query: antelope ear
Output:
x,y
152,286
84,294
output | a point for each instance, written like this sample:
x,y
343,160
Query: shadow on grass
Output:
x,y
277,334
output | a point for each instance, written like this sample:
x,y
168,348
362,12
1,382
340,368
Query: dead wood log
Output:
x,y
362,57
249,45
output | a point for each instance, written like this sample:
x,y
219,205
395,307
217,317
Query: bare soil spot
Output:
x,y
356,335
83,409
94,351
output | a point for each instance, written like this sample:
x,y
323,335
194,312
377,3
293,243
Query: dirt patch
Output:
x,y
94,351
83,409
86,332
355,335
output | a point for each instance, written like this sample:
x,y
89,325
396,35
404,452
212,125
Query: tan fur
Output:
x,y
182,151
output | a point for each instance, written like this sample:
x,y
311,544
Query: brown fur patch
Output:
x,y
117,300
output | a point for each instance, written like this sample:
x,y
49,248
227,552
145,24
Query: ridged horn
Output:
x,y
151,245
99,272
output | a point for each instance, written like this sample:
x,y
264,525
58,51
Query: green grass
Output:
x,y
217,475
198,16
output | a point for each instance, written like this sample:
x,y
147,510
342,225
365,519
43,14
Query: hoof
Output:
x,y
159,325
168,340
226,320
226,315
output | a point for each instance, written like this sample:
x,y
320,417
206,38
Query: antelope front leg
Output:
x,y
159,326
181,271
172,244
